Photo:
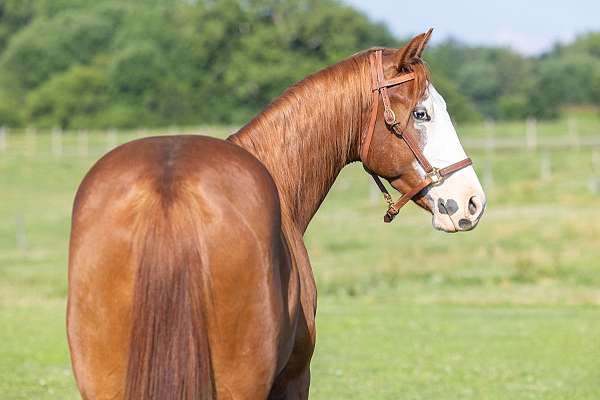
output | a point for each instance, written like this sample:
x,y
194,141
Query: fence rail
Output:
x,y
510,143
489,136
92,144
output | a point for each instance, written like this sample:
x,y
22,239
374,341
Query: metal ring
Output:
x,y
389,116
436,177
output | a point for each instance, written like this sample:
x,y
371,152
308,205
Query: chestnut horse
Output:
x,y
188,275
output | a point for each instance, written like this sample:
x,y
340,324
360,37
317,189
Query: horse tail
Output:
x,y
169,353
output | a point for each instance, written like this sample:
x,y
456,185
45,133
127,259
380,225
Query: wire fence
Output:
x,y
531,140
85,144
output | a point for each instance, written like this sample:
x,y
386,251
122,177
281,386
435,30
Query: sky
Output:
x,y
528,26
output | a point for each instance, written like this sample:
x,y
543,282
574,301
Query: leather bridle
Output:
x,y
435,176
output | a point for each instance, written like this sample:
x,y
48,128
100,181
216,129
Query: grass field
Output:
x,y
508,311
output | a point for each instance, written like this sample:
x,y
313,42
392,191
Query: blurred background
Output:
x,y
507,311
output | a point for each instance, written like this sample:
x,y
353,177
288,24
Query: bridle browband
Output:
x,y
435,176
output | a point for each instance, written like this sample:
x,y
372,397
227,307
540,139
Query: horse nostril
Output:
x,y
474,205
464,224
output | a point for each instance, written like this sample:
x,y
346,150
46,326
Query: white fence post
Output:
x,y
488,174
596,160
31,133
593,184
57,145
111,138
573,136
545,167
82,141
490,146
531,134
374,195
490,131
594,180
3,140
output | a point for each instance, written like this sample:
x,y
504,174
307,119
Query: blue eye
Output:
x,y
420,114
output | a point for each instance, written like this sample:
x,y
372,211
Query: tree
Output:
x,y
567,79
164,62
72,99
50,46
14,15
459,106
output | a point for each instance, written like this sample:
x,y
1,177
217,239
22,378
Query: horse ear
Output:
x,y
413,50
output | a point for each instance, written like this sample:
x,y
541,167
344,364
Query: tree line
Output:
x,y
109,63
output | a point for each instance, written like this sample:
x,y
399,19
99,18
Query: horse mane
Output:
x,y
327,91
309,133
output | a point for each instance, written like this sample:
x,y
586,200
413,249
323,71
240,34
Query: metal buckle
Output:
x,y
435,176
389,116
388,199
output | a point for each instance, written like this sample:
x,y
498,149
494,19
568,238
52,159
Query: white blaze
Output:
x,y
443,148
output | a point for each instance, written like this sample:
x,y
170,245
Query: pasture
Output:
x,y
508,311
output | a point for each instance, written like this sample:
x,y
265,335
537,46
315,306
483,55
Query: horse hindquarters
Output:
x,y
169,288
137,303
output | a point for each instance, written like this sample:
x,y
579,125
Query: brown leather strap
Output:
x,y
379,184
379,85
366,143
413,144
394,209
395,81
388,113
455,167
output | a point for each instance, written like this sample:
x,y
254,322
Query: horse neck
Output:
x,y
306,136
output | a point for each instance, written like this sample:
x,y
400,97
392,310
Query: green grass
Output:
x,y
375,348
508,311
380,349
34,361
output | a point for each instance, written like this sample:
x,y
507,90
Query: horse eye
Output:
x,y
421,115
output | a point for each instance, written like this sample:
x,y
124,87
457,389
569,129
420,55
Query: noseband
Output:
x,y
435,176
